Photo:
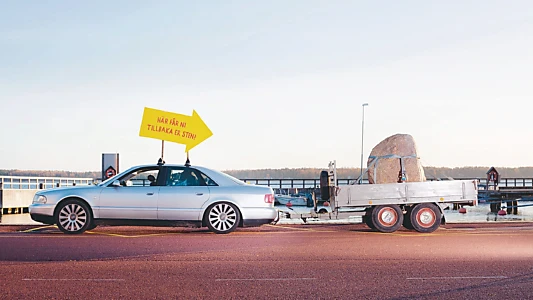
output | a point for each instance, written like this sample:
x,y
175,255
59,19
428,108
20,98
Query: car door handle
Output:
x,y
199,194
149,194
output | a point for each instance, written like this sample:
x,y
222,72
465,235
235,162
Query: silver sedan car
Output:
x,y
158,195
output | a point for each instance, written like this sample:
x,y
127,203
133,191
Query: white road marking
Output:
x,y
67,279
463,277
263,279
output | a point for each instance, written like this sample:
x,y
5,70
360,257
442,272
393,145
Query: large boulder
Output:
x,y
384,160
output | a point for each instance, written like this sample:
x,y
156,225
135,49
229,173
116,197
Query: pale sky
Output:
x,y
280,83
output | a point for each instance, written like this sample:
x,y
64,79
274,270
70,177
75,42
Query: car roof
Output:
x,y
216,175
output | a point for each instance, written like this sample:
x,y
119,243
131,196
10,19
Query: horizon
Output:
x,y
295,168
279,84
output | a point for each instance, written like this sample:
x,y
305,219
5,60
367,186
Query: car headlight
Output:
x,y
39,199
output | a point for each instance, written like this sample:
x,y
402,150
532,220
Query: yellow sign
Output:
x,y
172,127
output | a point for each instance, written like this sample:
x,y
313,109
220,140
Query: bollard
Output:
x,y
495,207
512,207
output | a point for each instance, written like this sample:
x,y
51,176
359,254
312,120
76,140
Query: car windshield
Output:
x,y
113,178
107,180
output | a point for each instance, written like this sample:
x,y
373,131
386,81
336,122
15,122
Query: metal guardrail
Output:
x,y
295,183
28,182
315,183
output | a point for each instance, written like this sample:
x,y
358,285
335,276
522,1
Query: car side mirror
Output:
x,y
115,183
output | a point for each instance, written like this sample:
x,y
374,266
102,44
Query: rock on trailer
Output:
x,y
386,207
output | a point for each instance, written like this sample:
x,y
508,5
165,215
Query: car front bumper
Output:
x,y
43,213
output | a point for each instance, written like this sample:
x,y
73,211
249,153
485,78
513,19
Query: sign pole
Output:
x,y
161,162
187,162
162,148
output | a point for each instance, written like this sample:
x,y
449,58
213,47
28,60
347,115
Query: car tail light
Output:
x,y
269,198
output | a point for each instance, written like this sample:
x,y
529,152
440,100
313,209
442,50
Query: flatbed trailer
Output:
x,y
386,207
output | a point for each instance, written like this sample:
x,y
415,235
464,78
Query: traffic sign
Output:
x,y
110,172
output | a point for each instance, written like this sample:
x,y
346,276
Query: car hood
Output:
x,y
71,189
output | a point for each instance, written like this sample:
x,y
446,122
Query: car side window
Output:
x,y
142,177
184,177
208,181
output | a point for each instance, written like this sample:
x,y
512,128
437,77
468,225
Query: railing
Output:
x,y
516,182
315,183
28,182
294,183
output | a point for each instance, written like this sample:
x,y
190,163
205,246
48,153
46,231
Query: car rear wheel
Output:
x,y
73,217
222,218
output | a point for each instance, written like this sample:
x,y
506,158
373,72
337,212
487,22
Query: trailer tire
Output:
x,y
367,218
407,218
387,218
425,217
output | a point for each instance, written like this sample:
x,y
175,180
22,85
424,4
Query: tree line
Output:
x,y
304,173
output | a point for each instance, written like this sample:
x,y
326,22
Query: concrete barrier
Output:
x,y
16,201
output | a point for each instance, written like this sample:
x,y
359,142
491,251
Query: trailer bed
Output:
x,y
462,192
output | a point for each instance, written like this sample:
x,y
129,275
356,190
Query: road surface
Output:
x,y
458,261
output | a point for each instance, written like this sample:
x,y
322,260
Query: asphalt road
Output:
x,y
459,261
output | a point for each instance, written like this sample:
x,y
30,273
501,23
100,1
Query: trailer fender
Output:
x,y
442,207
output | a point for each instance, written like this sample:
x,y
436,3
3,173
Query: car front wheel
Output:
x,y
73,217
222,218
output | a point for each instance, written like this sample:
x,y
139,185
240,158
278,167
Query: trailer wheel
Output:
x,y
387,218
425,217
407,218
367,218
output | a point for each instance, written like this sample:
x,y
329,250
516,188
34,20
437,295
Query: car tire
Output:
x,y
222,218
73,217
92,226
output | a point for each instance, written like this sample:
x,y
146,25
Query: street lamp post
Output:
x,y
362,142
